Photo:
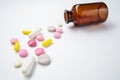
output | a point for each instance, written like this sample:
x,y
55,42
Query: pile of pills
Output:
x,y
42,57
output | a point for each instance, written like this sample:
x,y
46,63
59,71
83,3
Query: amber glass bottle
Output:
x,y
85,14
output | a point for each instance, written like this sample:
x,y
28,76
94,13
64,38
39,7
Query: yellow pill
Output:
x,y
17,46
26,32
47,43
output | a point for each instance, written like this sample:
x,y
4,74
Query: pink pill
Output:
x,y
23,53
57,35
39,51
32,43
40,37
60,30
13,40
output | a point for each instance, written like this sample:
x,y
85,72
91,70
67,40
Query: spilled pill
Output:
x,y
51,29
59,25
13,40
17,64
17,46
28,66
47,43
40,37
26,32
43,59
23,53
57,35
60,30
39,51
32,43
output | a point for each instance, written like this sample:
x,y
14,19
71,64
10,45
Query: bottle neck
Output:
x,y
68,16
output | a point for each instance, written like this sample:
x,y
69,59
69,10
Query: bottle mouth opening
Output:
x,y
66,16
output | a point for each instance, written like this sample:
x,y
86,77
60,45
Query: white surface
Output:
x,y
81,53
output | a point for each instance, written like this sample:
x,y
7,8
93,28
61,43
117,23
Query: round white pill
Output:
x,y
51,28
17,64
44,59
59,25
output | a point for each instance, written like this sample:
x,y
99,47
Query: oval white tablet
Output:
x,y
17,64
51,29
59,25
44,59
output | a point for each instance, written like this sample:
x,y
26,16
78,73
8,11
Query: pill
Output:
x,y
60,30
51,29
43,59
23,53
34,34
47,43
40,37
28,66
26,32
13,40
32,43
17,46
57,35
17,64
59,25
39,51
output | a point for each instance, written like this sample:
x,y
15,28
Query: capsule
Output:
x,y
28,66
17,46
47,43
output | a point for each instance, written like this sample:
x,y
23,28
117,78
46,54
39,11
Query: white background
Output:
x,y
84,53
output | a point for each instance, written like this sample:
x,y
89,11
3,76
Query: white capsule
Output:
x,y
28,66
34,34
44,59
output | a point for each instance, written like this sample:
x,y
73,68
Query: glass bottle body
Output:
x,y
85,14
